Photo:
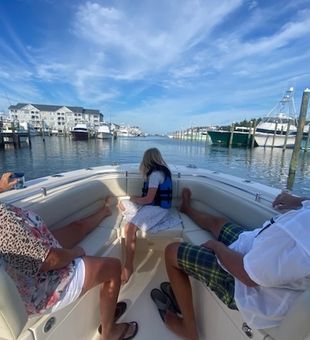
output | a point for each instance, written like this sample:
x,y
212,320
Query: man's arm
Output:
x,y
58,258
231,260
286,201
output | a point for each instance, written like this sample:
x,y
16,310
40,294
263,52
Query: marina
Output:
x,y
59,154
155,171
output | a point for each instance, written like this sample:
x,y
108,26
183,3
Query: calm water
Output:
x,y
59,154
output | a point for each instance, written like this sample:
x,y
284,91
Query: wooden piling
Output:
x,y
286,135
297,146
307,140
29,135
274,135
253,134
231,134
1,134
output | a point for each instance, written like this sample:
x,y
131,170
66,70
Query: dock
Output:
x,y
14,138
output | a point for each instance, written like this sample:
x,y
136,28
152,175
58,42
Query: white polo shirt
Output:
x,y
278,260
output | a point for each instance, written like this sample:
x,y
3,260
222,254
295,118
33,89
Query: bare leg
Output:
x,y
106,272
130,247
206,221
71,234
184,327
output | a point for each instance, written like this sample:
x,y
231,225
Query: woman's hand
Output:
x,y
60,257
5,183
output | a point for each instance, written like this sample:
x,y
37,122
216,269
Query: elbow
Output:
x,y
249,282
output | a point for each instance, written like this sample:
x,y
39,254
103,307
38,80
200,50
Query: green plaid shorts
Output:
x,y
201,264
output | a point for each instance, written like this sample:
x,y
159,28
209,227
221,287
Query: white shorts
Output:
x,y
74,288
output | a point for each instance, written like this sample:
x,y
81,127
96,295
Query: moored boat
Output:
x,y
279,127
80,132
54,198
242,136
104,131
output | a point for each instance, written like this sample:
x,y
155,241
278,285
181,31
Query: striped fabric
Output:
x,y
201,264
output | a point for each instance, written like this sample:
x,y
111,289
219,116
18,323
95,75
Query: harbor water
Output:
x,y
61,154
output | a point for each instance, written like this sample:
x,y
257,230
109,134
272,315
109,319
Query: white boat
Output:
x,y
29,127
279,127
65,197
104,131
128,131
80,132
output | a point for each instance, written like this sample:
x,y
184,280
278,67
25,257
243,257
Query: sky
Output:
x,y
162,65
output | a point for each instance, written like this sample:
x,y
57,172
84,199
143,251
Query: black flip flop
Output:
x,y
167,290
135,331
162,303
119,311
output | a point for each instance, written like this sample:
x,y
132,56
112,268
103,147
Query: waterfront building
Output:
x,y
54,118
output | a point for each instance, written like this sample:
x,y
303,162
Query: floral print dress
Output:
x,y
25,242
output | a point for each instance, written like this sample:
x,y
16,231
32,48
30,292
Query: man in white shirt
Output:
x,y
260,272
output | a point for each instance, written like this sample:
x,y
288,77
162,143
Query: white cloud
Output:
x,y
178,61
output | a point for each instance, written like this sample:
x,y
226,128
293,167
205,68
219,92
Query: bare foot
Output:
x,y
121,206
107,206
126,274
186,198
108,201
121,330
175,324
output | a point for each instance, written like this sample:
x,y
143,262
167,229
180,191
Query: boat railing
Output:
x,y
44,190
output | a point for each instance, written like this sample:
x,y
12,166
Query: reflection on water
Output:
x,y
59,154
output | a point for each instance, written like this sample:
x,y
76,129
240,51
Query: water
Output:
x,y
60,154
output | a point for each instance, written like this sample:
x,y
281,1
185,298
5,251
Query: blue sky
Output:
x,y
162,65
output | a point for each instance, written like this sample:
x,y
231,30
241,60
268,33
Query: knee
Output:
x,y
116,265
130,229
171,253
111,265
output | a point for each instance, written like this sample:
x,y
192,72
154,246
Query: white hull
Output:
x,y
245,202
268,140
104,135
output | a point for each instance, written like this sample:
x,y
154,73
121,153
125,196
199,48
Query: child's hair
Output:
x,y
151,158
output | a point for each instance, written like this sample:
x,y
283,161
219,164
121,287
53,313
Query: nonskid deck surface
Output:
x,y
149,273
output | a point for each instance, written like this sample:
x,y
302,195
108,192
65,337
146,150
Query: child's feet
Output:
x,y
107,206
186,198
126,274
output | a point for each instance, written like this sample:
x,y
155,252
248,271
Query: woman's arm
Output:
x,y
231,260
58,258
149,198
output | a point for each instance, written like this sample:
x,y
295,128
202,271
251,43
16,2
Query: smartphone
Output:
x,y
20,180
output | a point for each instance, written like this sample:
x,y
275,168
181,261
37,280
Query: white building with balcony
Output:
x,y
54,118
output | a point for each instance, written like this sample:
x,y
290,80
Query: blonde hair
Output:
x,y
151,158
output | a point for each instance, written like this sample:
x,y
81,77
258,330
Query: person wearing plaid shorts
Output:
x,y
223,265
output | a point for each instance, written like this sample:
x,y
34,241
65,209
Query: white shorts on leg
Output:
x,y
74,288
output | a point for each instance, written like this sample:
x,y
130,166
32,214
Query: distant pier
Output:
x,y
14,138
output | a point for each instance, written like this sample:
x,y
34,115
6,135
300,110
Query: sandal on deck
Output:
x,y
162,302
119,311
167,290
133,325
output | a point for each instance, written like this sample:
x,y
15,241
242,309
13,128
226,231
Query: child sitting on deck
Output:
x,y
151,211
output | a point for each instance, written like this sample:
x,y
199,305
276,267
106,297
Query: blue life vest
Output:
x,y
163,195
